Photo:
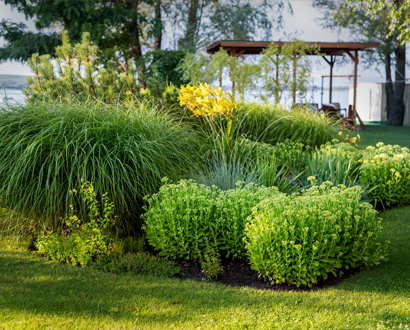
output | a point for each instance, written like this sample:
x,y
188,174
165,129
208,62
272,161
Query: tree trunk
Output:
x,y
136,51
158,27
396,111
389,85
188,41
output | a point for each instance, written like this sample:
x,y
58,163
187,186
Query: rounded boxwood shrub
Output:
x,y
300,240
386,171
184,219
47,149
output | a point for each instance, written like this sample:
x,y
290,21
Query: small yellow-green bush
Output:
x,y
184,219
386,170
79,242
300,240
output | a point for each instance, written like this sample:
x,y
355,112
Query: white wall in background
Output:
x,y
368,101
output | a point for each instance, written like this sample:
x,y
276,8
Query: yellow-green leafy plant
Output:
x,y
80,242
300,240
204,100
386,170
211,263
186,219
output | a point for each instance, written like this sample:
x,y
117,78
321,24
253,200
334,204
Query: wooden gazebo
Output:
x,y
332,49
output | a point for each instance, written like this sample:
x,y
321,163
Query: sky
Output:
x,y
303,24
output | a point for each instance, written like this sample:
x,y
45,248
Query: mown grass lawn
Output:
x,y
387,134
40,294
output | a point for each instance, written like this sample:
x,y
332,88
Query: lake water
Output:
x,y
11,96
16,96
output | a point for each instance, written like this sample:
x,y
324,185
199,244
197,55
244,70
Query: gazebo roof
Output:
x,y
256,47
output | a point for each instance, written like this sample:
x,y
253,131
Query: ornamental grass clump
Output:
x,y
386,169
186,219
273,124
46,149
301,240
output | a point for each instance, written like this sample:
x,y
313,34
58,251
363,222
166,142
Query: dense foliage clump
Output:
x,y
184,219
300,240
386,169
273,124
81,242
47,149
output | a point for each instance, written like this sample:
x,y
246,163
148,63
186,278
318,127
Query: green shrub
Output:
x,y
293,154
211,263
349,152
386,170
272,124
137,263
46,149
185,218
78,242
300,240
77,74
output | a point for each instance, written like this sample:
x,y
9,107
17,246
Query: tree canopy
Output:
x,y
398,14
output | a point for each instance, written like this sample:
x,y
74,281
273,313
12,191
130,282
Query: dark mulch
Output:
x,y
239,273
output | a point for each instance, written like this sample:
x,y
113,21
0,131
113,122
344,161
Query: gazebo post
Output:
x,y
332,61
356,62
355,59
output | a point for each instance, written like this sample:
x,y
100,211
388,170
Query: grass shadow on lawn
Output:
x,y
45,294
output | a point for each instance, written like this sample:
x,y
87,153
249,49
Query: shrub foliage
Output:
x,y
185,219
300,240
386,169
79,242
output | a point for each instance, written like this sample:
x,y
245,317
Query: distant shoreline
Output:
x,y
13,81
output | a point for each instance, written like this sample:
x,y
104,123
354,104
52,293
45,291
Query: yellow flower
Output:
x,y
205,100
340,133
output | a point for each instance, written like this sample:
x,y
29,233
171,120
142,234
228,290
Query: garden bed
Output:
x,y
238,273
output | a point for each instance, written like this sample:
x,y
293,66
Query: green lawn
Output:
x,y
387,134
40,294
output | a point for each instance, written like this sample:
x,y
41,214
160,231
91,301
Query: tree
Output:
x,y
116,26
240,20
373,28
275,71
287,67
188,15
398,13
75,75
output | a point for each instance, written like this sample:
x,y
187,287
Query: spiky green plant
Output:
x,y
46,149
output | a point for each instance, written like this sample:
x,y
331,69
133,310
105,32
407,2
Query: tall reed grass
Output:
x,y
273,124
47,149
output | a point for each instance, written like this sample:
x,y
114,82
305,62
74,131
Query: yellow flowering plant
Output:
x,y
204,100
353,140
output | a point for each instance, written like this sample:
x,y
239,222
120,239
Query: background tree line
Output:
x,y
134,29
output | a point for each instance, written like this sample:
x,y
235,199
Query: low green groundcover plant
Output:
x,y
301,239
78,242
46,149
186,219
137,263
386,169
